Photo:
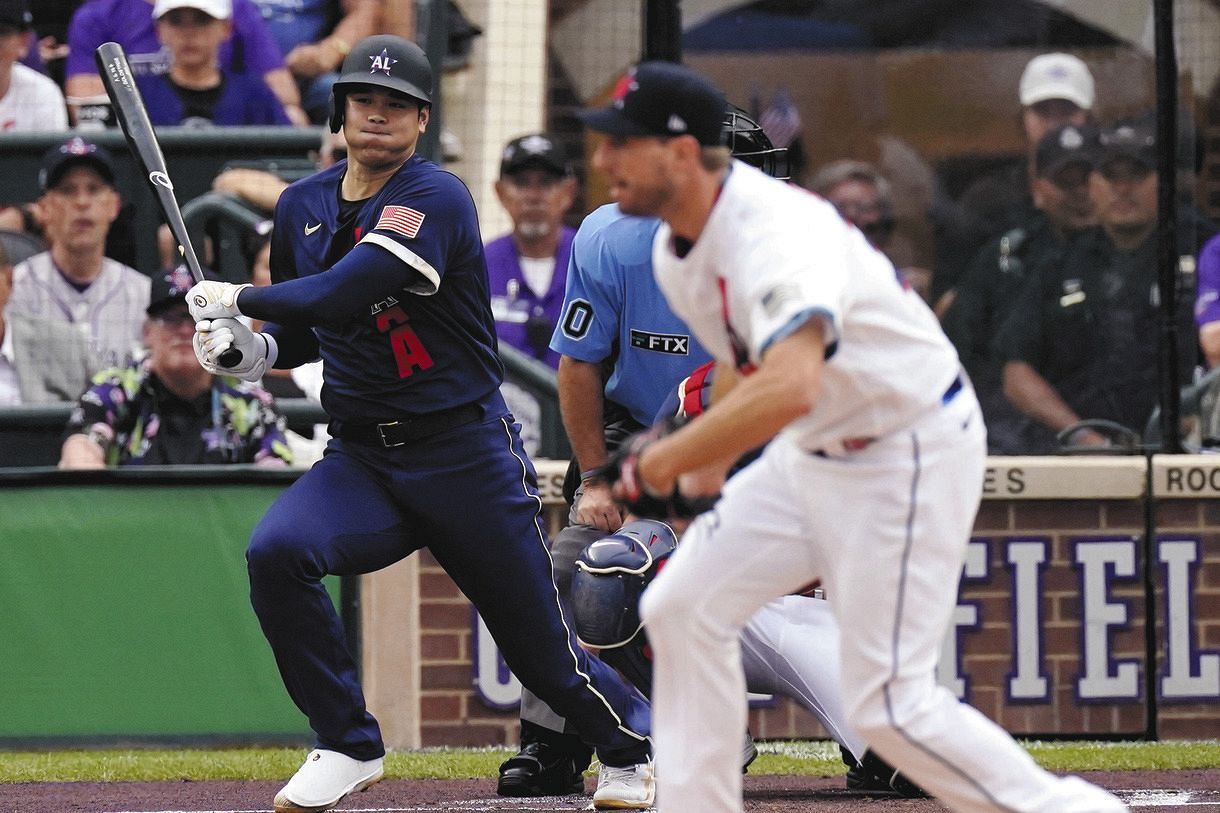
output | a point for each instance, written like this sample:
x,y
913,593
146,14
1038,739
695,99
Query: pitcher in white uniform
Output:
x,y
871,483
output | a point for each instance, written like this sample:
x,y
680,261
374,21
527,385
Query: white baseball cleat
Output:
x,y
323,781
628,788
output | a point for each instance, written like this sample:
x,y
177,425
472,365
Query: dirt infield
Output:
x,y
1146,790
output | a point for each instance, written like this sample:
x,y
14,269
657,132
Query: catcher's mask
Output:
x,y
748,142
383,61
611,574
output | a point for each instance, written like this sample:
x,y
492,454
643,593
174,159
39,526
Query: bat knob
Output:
x,y
230,358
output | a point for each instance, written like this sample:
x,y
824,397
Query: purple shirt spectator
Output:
x,y
1207,299
525,319
250,50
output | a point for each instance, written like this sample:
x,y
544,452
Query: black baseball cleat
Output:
x,y
874,775
541,769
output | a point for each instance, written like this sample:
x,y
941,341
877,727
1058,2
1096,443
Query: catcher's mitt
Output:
x,y
622,469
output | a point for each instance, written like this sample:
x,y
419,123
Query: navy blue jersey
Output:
x,y
401,319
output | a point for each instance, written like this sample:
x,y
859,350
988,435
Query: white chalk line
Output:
x,y
1150,797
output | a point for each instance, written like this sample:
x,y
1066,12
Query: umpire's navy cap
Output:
x,y
661,99
75,151
16,14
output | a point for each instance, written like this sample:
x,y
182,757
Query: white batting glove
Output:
x,y
213,337
213,300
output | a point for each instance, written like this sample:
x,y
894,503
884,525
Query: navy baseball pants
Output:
x,y
469,495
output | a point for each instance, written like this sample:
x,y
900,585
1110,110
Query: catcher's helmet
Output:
x,y
384,61
748,142
611,574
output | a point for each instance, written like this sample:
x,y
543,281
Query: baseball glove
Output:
x,y
623,469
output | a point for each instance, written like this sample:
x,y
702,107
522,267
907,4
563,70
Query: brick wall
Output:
x,y
1061,504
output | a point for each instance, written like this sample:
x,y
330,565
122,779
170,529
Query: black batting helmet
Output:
x,y
748,142
384,61
611,574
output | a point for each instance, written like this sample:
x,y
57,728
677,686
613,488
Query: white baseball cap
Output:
x,y
1057,76
217,9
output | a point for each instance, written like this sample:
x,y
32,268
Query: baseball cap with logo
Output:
x,y
16,14
1057,76
74,152
169,288
533,151
1132,138
661,99
1063,147
216,9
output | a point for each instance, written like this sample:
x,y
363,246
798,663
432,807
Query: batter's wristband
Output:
x,y
595,475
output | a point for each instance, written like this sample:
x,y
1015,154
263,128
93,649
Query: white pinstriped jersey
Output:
x,y
109,313
756,274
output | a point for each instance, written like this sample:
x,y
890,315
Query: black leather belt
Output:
x,y
407,429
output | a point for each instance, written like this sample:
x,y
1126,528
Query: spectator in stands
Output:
x,y
250,50
166,409
28,100
862,195
40,361
196,91
74,282
1063,160
1080,341
300,29
1207,301
51,31
528,267
1055,90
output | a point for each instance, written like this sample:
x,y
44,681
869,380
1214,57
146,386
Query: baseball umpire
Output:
x,y
378,268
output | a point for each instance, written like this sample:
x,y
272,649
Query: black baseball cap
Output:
x,y
661,99
74,152
1131,138
169,288
1063,147
536,150
16,14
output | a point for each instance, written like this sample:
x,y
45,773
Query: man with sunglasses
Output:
x,y
166,409
1080,341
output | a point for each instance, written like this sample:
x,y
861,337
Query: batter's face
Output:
x,y
382,127
640,171
79,210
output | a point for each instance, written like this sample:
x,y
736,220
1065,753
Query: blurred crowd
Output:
x,y
1044,273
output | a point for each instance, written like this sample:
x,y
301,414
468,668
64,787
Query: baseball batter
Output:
x,y
378,267
871,482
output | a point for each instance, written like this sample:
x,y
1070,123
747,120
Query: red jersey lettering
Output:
x,y
409,352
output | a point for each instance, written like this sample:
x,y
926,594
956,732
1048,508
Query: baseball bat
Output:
x,y
142,141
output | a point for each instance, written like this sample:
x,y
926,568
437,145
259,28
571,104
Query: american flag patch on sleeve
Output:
x,y
401,219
